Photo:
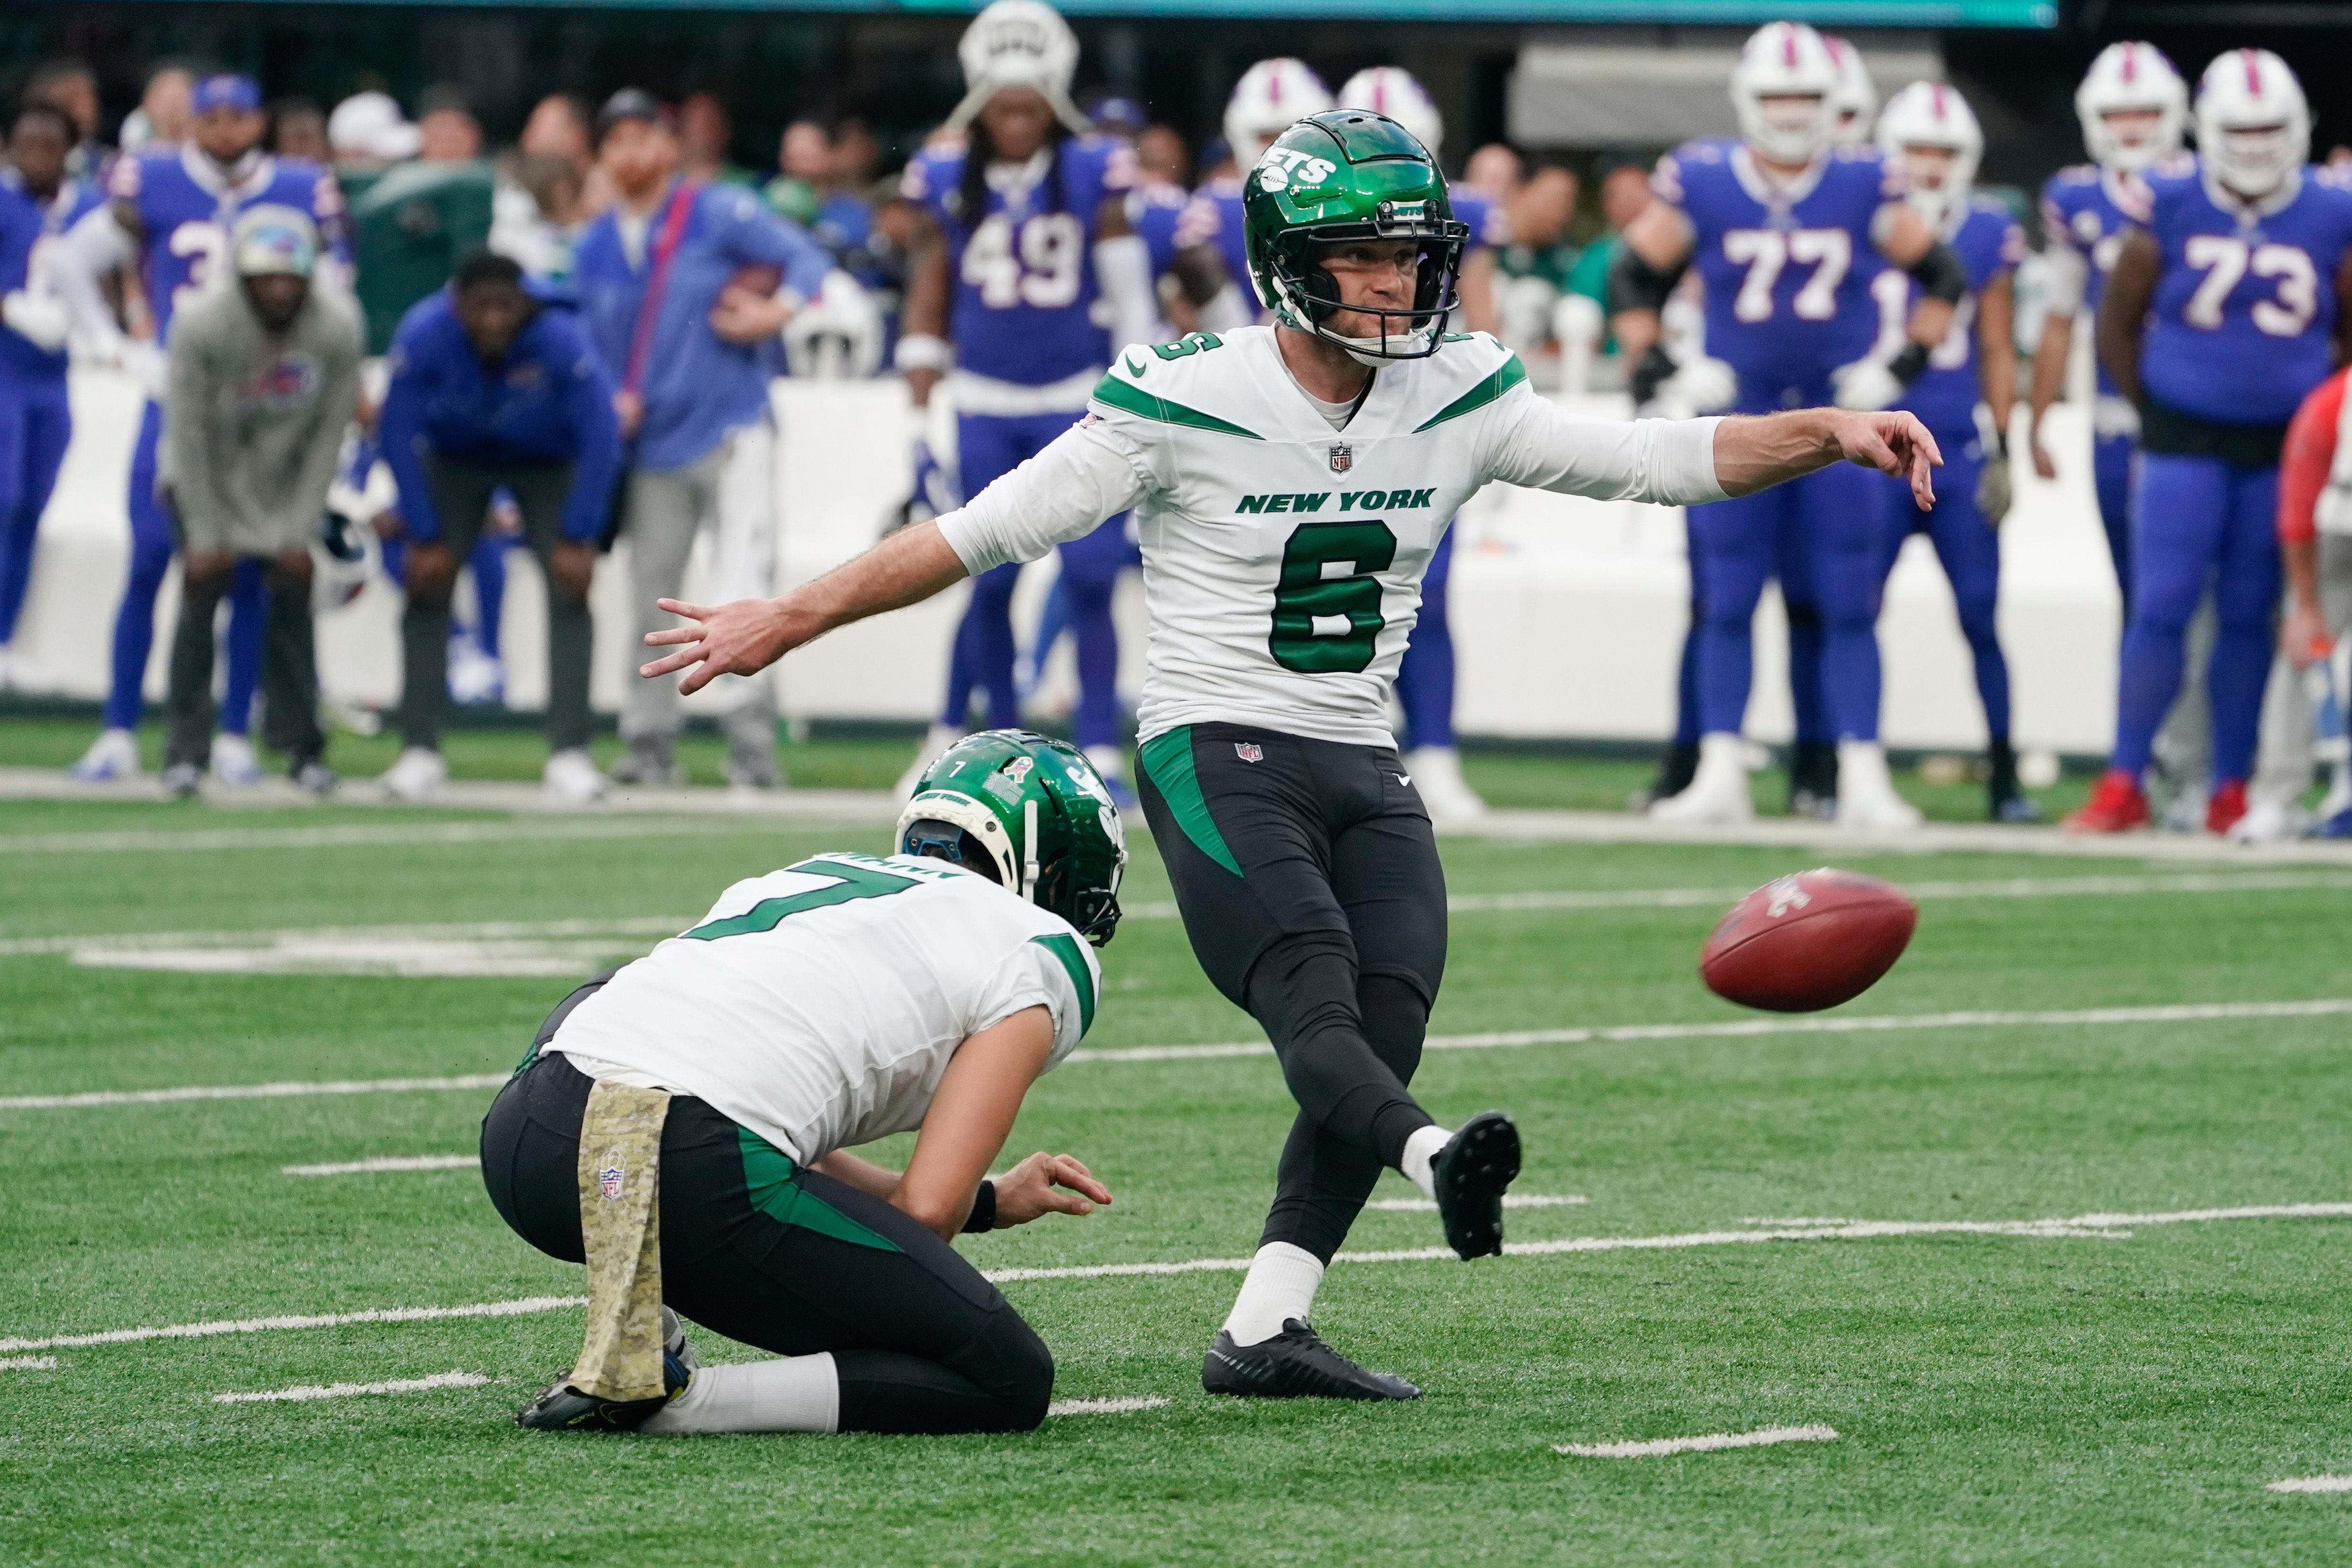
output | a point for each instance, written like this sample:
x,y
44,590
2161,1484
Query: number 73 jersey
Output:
x,y
2241,324
1787,263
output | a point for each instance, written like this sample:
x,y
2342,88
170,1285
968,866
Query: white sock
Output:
x,y
1280,1285
1421,1157
790,1394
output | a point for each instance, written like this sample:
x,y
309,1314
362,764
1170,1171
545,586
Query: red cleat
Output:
x,y
2225,805
2115,805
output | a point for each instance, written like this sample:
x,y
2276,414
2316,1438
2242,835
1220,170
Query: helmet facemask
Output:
x,y
1307,297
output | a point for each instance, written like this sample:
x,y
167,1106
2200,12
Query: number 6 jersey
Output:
x,y
1787,265
2241,324
818,1005
1283,557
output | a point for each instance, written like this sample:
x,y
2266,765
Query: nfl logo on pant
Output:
x,y
1249,751
608,1181
1343,457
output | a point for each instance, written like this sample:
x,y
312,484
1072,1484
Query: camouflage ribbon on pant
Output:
x,y
620,1229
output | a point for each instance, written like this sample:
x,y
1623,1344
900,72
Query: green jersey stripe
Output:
x,y
1082,978
1133,399
1509,375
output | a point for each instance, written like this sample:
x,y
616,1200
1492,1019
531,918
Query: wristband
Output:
x,y
922,352
983,1208
1905,366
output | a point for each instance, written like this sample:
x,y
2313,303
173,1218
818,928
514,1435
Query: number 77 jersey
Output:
x,y
1787,263
2241,324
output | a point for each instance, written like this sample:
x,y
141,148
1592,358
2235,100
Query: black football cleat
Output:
x,y
563,1409
1470,1174
1294,1364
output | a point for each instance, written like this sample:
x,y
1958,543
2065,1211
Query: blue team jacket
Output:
x,y
697,386
548,400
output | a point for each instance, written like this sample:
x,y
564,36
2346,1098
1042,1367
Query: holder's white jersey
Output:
x,y
1282,558
818,1005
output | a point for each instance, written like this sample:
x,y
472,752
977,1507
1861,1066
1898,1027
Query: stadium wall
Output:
x,y
1567,613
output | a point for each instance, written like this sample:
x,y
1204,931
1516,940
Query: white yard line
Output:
x,y
1860,1023
1510,1200
387,1162
346,1390
246,1092
2313,1483
1549,901
2112,1227
1125,1405
29,1363
368,835
1708,1444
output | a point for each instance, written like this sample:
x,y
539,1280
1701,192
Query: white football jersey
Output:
x,y
1282,560
818,1005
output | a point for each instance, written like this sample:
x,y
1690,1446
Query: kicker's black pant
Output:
x,y
1309,883
777,1256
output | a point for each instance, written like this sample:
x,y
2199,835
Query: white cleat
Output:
x,y
417,774
1436,772
1717,794
475,678
1866,796
112,758
935,744
2269,822
572,777
234,763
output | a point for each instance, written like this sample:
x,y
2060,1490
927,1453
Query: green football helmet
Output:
x,y
1032,814
1351,174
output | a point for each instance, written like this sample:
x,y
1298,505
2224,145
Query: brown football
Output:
x,y
1807,941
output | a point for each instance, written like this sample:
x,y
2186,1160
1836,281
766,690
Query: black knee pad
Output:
x,y
1027,1386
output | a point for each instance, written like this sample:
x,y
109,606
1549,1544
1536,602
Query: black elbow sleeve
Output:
x,y
1940,274
1635,284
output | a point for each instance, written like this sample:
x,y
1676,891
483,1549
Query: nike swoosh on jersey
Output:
x,y
1133,368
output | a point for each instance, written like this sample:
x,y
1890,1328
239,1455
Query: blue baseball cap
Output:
x,y
227,89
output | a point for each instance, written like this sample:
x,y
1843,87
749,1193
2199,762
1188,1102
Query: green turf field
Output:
x,y
2119,1390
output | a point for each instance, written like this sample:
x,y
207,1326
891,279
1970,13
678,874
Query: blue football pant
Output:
x,y
1804,620
988,447
1826,527
2111,473
35,427
1424,683
2196,519
1969,551
152,548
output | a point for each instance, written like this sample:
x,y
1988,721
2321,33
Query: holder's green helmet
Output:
x,y
1350,174
1031,813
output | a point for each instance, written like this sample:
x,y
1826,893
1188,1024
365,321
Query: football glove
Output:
x,y
38,318
1865,384
1993,492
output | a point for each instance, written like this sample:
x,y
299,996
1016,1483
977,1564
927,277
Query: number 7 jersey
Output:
x,y
1787,265
2242,322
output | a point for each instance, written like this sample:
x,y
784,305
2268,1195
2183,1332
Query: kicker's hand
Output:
x,y
1033,1189
1893,442
739,638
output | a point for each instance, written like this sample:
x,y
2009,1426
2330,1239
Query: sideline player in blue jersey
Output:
x,y
170,211
1023,236
1785,230
1270,98
2133,106
1425,680
1964,396
38,202
2228,304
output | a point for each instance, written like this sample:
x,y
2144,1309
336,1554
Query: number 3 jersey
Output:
x,y
2241,324
1787,263
818,1005
187,204
1025,308
1283,557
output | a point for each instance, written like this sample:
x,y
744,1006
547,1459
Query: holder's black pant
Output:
x,y
1309,883
792,1261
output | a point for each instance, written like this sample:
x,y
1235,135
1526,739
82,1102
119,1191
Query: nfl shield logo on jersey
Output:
x,y
1249,751
608,1181
1343,457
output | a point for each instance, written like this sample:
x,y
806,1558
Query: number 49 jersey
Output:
x,y
1025,290
1787,267
818,1005
186,207
2241,324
